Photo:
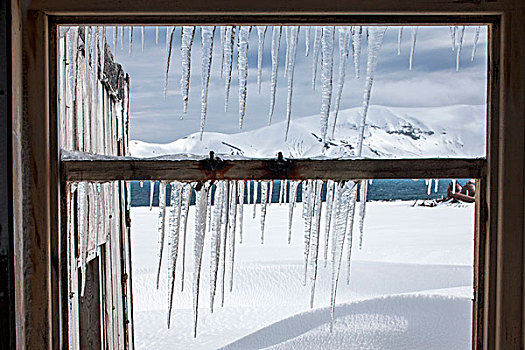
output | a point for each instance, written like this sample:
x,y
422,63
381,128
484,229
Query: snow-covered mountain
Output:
x,y
392,132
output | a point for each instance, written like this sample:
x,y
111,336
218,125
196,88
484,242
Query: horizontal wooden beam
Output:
x,y
259,169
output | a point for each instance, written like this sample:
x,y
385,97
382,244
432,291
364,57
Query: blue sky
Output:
x,y
433,81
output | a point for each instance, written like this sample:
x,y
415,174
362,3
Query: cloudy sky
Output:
x,y
433,81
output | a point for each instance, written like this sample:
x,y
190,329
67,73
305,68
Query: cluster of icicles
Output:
x,y
219,212
323,40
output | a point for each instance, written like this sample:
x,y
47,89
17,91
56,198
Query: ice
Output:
x,y
308,208
198,247
375,41
362,210
168,59
287,52
436,185
229,42
330,184
293,34
293,198
264,202
344,49
185,51
429,186
315,236
399,40
151,192
157,35
222,32
215,240
173,241
307,40
349,232
276,41
130,43
122,38
187,189
115,39
282,187
261,33
242,67
207,33
256,186
327,62
224,235
474,47
142,38
231,229
161,226
412,48
83,231
240,191
342,207
315,57
459,45
453,30
356,49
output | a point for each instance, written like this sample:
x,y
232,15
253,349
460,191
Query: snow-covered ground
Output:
x,y
410,287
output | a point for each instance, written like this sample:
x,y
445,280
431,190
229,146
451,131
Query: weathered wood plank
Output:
x,y
216,169
89,313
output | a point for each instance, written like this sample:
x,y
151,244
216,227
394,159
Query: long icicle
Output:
x,y
344,51
264,202
315,56
256,186
293,198
308,214
168,59
142,38
318,202
356,49
412,47
240,192
475,45
349,233
307,40
187,190
151,193
207,33
261,33
362,210
294,36
130,40
161,226
242,67
173,241
222,35
185,50
399,40
328,217
276,41
157,35
327,59
232,226
224,238
459,45
198,247
216,240
229,43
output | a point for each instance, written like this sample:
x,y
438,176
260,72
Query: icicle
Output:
x,y
207,54
170,45
459,45
200,231
315,58
399,39
224,238
130,40
436,184
264,202
453,30
222,32
328,216
340,233
412,48
287,52
327,59
103,54
270,192
261,33
308,214
282,186
157,35
173,241
240,191
429,186
83,232
293,193
294,36
229,42
142,38
151,191
186,198
242,67
185,51
362,210
276,41
375,42
315,236
161,225
122,38
232,226
356,49
216,240
307,40
344,50
249,187
256,185
350,232
476,38
115,39
453,185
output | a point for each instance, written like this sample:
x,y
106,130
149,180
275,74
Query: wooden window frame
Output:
x,y
499,265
